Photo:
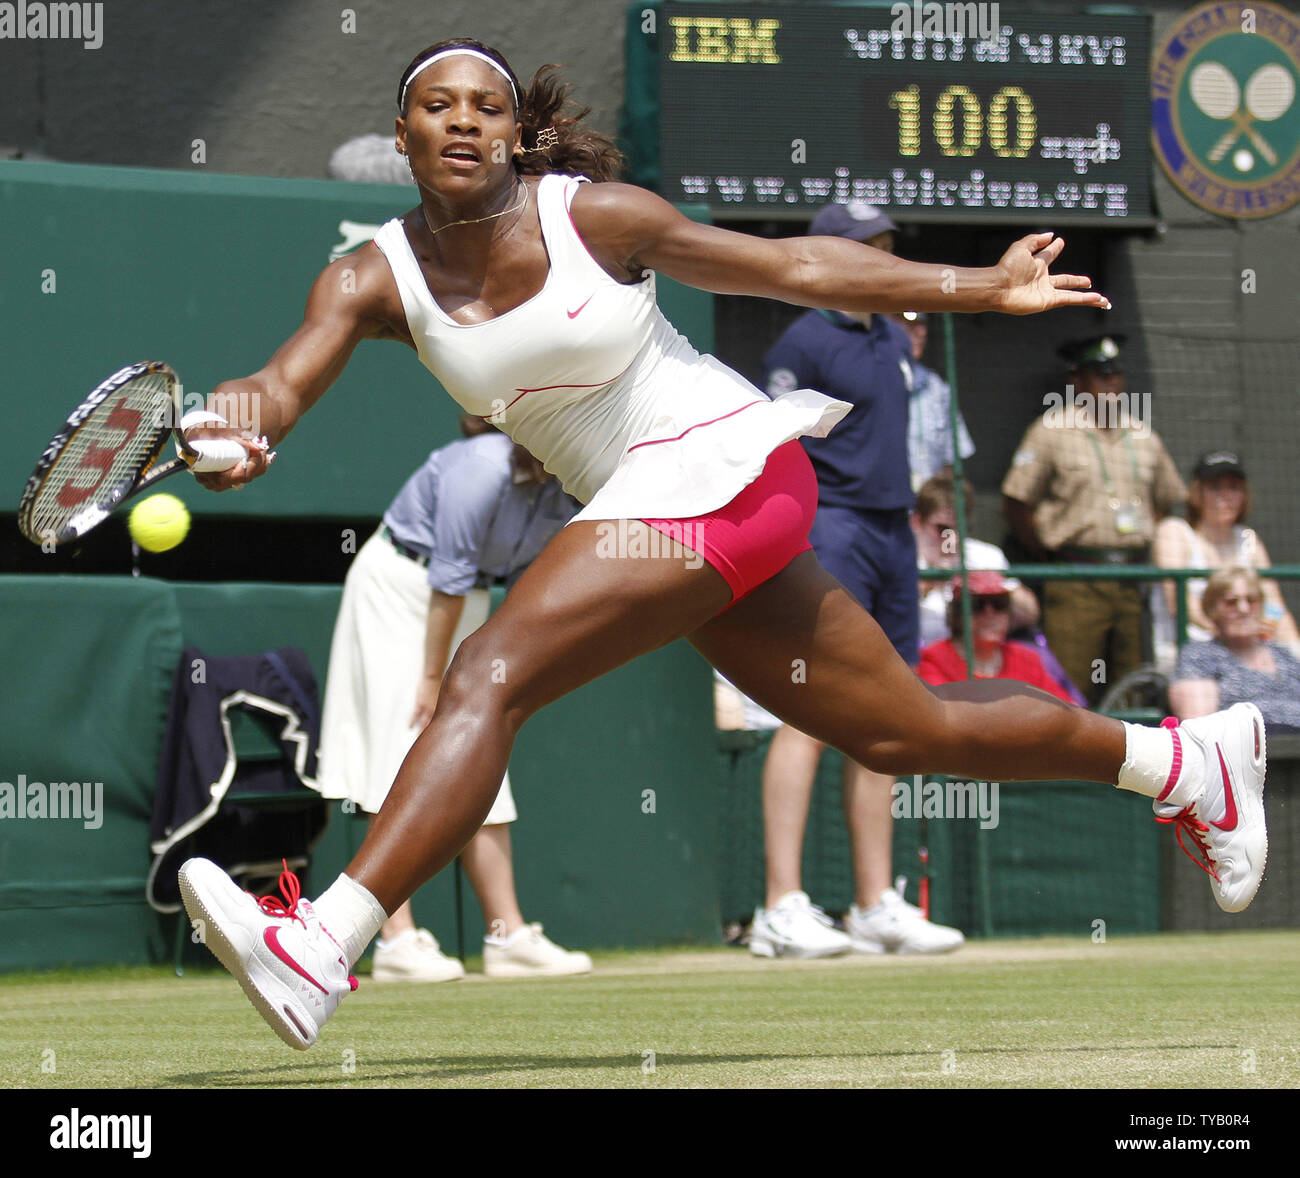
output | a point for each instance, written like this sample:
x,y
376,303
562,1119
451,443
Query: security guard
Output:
x,y
1087,486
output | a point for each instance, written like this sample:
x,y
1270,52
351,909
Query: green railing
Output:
x,y
1124,572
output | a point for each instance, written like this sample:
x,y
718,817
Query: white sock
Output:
x,y
1157,761
351,914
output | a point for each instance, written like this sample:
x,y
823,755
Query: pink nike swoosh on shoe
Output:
x,y
272,938
1230,812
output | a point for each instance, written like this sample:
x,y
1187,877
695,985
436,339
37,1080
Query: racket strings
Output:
x,y
118,438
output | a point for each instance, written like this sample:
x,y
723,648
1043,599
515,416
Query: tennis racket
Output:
x,y
107,452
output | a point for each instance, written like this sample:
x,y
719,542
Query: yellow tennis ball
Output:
x,y
159,522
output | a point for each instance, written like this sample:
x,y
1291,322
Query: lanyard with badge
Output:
x,y
1128,516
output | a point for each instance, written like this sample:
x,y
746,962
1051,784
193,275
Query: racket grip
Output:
x,y
216,454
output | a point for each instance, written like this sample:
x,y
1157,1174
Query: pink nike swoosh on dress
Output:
x,y
575,314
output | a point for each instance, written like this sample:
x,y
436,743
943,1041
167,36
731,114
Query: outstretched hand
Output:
x,y
1028,286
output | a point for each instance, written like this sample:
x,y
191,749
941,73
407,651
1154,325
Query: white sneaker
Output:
x,y
292,970
1223,814
895,926
526,953
414,956
795,927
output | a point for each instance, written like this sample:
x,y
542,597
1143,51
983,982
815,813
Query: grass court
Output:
x,y
1170,1011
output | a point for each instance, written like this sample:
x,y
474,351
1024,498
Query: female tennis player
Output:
x,y
529,292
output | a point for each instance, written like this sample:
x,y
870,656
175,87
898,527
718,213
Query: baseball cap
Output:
x,y
1218,462
1098,353
856,220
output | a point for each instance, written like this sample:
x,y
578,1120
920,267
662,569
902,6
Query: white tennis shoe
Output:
x,y
529,953
292,970
1223,814
795,927
895,926
414,956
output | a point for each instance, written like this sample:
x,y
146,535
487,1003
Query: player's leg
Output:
x,y
862,698
573,616
856,694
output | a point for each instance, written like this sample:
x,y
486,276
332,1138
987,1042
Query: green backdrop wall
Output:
x,y
88,667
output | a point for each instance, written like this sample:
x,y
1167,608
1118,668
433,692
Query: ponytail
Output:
x,y
555,141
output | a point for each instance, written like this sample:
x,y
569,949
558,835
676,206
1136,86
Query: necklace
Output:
x,y
434,232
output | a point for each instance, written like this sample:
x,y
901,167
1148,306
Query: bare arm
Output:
x,y
1190,698
637,230
349,301
444,616
1024,608
1170,552
1286,633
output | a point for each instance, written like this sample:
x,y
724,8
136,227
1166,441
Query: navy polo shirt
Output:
x,y
863,462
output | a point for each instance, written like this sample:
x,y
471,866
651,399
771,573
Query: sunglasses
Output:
x,y
997,604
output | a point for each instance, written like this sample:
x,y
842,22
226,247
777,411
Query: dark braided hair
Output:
x,y
577,150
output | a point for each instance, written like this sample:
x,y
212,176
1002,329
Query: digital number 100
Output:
x,y
959,105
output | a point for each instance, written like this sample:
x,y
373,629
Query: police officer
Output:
x,y
1087,486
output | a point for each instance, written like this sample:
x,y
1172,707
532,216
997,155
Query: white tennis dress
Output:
x,y
591,378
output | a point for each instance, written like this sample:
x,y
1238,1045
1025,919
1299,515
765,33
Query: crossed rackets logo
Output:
x,y
1225,123
1269,93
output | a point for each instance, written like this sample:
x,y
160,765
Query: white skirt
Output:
x,y
376,660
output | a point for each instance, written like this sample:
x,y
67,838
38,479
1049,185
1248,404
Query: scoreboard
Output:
x,y
933,111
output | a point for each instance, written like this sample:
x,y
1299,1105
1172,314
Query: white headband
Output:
x,y
428,61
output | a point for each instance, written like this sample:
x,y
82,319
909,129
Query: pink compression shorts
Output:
x,y
763,529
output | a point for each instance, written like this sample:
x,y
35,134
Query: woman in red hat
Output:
x,y
995,657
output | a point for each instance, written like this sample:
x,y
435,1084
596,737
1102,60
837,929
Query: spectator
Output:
x,y
861,536
1087,486
995,656
1237,664
929,430
1212,536
934,523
